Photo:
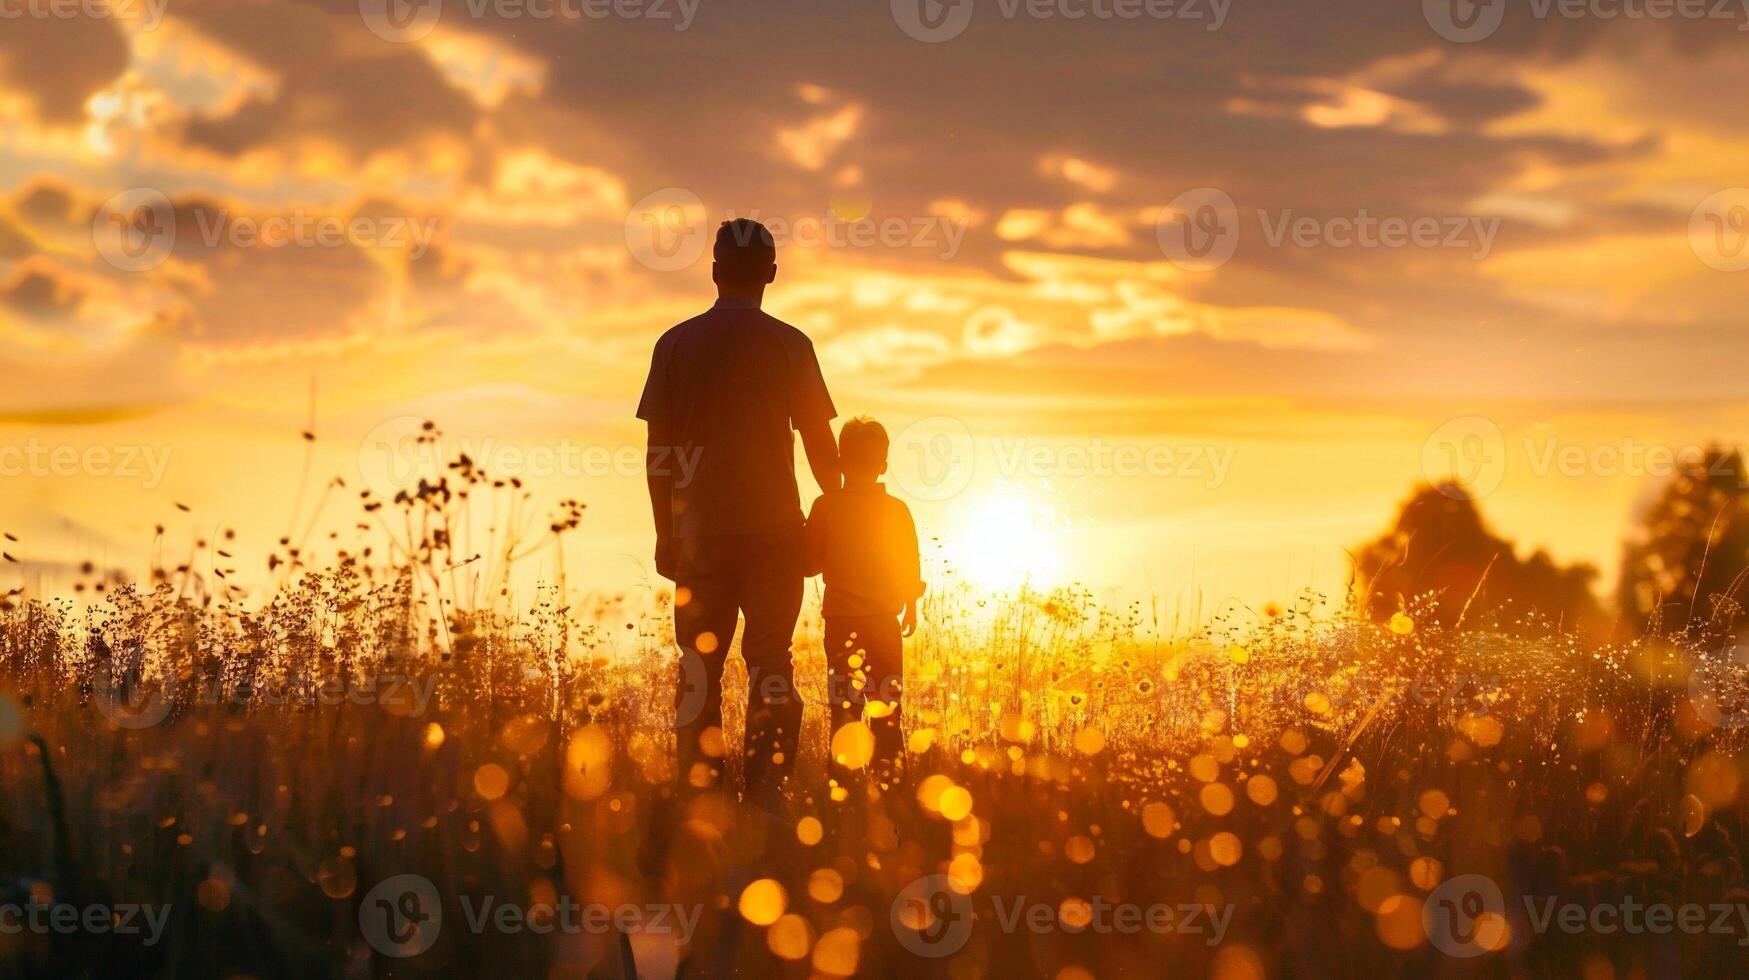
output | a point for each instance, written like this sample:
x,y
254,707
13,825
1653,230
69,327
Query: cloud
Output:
x,y
56,63
812,144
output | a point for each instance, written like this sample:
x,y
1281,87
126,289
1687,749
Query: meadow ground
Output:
x,y
1296,795
370,773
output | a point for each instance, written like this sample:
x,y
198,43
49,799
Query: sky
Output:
x,y
1180,298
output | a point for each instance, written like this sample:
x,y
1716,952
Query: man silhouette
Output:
x,y
724,391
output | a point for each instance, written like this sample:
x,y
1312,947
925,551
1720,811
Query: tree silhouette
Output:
x,y
1440,547
1685,564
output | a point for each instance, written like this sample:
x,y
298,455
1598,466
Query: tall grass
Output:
x,y
257,769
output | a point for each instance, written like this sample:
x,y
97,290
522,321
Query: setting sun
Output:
x,y
1006,538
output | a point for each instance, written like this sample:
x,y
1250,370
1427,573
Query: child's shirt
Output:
x,y
865,544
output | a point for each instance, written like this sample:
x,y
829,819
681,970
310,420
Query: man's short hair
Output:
x,y
862,446
744,250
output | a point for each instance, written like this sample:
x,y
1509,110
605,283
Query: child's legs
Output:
x,y
873,644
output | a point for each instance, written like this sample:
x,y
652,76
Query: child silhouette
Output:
x,y
865,544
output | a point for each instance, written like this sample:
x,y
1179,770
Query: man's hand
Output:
x,y
661,480
908,624
821,448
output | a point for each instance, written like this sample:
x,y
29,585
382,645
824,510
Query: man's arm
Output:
x,y
814,539
659,474
822,450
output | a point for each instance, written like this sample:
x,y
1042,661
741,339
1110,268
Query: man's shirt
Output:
x,y
728,386
865,543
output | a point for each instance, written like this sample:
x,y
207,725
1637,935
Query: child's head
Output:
x,y
862,449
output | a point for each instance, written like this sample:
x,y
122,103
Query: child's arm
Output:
x,y
912,569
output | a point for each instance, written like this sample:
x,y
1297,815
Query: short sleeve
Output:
x,y
654,406
808,399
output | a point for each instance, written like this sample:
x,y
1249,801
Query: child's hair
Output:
x,y
862,447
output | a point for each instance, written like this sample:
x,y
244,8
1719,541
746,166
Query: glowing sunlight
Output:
x,y
1005,538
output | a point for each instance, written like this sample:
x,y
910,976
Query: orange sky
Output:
x,y
487,220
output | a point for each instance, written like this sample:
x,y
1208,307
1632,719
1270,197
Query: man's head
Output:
x,y
862,449
745,258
